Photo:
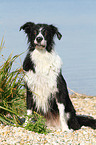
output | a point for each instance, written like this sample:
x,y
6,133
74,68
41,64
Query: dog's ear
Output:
x,y
55,31
27,27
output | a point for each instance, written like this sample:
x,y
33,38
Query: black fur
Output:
x,y
49,31
28,64
30,28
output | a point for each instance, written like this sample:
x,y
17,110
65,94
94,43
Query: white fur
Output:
x,y
43,42
44,81
63,117
29,112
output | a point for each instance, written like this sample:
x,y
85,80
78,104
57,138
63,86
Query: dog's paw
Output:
x,y
25,123
66,129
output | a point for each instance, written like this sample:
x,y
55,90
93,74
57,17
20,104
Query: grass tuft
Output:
x,y
2,44
12,97
36,123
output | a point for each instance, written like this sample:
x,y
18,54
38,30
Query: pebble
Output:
x,y
10,135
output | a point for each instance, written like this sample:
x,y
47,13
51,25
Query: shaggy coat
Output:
x,y
46,88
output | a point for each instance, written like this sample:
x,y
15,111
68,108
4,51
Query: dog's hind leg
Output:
x,y
68,120
63,117
67,112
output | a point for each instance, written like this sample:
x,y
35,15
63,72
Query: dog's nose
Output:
x,y
39,39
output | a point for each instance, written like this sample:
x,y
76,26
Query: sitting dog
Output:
x,y
46,88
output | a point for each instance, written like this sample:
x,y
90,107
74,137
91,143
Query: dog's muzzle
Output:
x,y
39,39
40,42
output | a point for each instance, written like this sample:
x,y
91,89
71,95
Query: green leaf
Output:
x,y
10,111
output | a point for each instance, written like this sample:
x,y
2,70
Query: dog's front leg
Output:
x,y
29,102
29,105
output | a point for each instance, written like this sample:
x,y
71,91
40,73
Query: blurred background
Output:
x,y
76,21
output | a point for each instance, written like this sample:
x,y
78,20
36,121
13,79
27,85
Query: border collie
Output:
x,y
46,88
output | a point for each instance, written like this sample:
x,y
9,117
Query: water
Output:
x,y
76,21
79,70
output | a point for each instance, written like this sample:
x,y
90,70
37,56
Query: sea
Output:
x,y
76,21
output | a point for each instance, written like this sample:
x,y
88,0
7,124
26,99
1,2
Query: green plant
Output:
x,y
2,44
10,83
36,123
12,94
12,97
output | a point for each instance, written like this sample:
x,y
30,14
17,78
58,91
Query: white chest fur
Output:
x,y
44,81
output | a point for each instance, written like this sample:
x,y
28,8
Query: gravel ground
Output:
x,y
10,135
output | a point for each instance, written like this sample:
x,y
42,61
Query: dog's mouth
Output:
x,y
39,45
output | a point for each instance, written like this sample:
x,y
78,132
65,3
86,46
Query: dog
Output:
x,y
46,88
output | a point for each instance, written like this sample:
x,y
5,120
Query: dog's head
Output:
x,y
40,36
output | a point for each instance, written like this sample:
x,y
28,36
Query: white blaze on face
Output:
x,y
42,44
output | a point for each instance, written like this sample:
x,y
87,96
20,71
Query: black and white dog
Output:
x,y
46,88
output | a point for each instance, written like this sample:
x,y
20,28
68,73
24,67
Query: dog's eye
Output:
x,y
45,33
35,32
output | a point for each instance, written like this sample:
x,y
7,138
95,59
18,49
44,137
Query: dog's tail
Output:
x,y
86,121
